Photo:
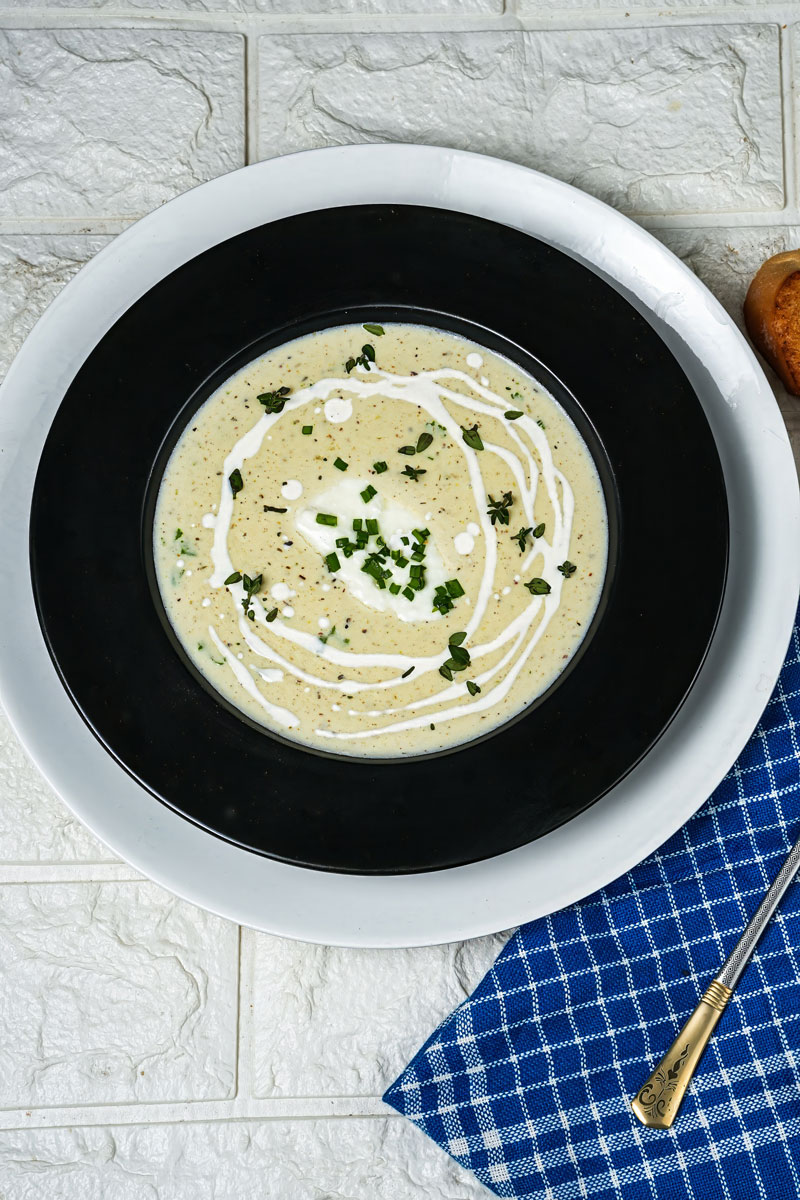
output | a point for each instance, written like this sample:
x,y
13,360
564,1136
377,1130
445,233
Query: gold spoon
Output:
x,y
656,1104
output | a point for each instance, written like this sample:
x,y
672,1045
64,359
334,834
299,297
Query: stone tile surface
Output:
x,y
726,260
363,1159
113,992
114,122
33,270
679,119
342,1022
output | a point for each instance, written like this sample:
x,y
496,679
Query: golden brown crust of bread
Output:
x,y
772,315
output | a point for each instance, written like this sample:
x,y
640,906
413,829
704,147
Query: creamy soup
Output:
x,y
380,540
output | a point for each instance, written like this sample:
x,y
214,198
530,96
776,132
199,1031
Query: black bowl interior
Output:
x,y
116,653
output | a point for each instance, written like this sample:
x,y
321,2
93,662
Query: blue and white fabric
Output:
x,y
528,1083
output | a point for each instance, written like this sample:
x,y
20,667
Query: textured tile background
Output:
x,y
150,1051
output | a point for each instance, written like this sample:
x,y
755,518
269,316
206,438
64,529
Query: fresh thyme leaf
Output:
x,y
377,330
236,577
340,464
271,615
414,473
446,672
423,441
538,587
406,450
513,414
368,352
472,687
456,639
406,674
236,481
498,509
178,535
472,437
274,401
539,530
380,467
459,655
567,568
521,538
348,366
323,637
273,508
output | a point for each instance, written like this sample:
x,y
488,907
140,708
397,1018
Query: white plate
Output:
x,y
641,812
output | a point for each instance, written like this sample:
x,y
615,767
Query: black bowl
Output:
x,y
116,653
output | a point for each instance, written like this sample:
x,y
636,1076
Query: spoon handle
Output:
x,y
656,1104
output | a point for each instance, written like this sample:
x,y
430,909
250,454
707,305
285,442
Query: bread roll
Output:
x,y
772,315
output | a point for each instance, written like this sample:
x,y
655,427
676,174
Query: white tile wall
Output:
x,y
149,1051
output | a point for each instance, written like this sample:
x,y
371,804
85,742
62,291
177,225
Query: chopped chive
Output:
x,y
307,429
472,687
423,441
236,577
368,493
357,523
416,570
378,330
421,535
406,674
394,588
380,467
456,639
513,414
472,437
408,593
327,519
372,525
407,450
235,480
340,464
454,588
401,561
538,587
332,562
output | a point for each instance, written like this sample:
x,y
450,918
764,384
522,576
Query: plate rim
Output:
x,y
734,683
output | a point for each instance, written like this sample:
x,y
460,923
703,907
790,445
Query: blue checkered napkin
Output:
x,y
528,1083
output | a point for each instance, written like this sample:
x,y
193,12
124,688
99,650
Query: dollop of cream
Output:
x,y
292,489
464,543
209,521
338,409
281,592
474,360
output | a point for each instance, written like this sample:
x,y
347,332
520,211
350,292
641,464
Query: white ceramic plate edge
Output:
x,y
644,809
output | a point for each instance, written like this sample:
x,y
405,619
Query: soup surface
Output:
x,y
380,540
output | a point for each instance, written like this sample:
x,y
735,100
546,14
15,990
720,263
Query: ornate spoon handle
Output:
x,y
656,1104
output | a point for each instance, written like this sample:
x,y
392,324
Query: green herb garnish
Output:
x,y
251,587
454,588
456,639
513,414
340,464
522,537
380,467
538,587
273,508
368,492
408,593
414,472
567,568
377,330
406,450
423,441
472,437
498,509
446,672
327,519
274,401
178,535
406,674
271,615
472,687
236,577
366,356
236,481
332,562
307,429
539,530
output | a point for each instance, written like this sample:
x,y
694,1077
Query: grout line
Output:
x,y
252,24
245,1063
292,1108
788,36
251,99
